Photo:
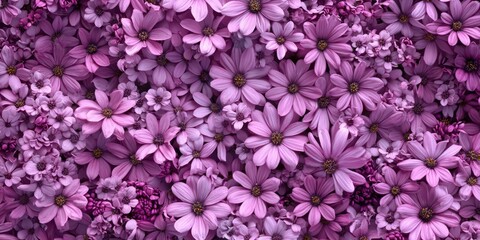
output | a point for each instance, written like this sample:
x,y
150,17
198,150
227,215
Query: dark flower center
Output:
x,y
204,77
134,160
55,36
457,26
403,18
417,108
322,45
19,103
276,138
41,166
239,117
471,65
254,6
307,237
60,200
277,236
39,84
65,172
125,200
90,95
239,80
195,154
330,166
430,163
395,190
472,181
57,71
107,112
24,199
99,11
59,118
159,140
162,60
208,31
197,208
363,238
389,219
215,108
256,190
143,35
315,200
127,92
374,128
473,156
387,58
323,102
91,48
218,137
11,70
425,214
429,37
158,99
280,40
293,88
353,87
97,153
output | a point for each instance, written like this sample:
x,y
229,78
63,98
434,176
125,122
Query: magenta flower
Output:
x,y
282,39
276,138
106,114
206,33
256,189
315,199
467,62
156,139
396,187
432,160
469,184
63,204
461,23
200,207
240,78
356,88
141,32
402,19
426,215
93,49
326,42
333,159
249,15
293,87
237,114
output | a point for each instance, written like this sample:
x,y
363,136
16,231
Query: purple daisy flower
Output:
x,y
467,62
396,187
256,189
282,39
206,33
276,230
93,48
326,42
276,138
402,19
199,8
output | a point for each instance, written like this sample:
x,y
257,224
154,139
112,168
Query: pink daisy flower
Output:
x,y
469,184
396,187
206,33
282,39
276,138
200,207
432,160
471,147
156,139
93,48
256,189
467,62
199,8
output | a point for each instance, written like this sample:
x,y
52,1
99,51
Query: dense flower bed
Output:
x,y
239,119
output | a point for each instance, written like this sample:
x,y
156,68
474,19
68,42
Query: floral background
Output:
x,y
239,119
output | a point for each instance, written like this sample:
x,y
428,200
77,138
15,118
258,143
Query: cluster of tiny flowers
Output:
x,y
239,119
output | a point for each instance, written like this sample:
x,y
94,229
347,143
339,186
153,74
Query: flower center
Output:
x,y
315,200
256,190
162,60
293,88
143,35
395,190
19,103
425,214
208,31
24,199
239,117
473,156
276,138
373,128
41,166
322,45
39,84
280,40
239,80
472,181
197,208
403,18
11,70
196,154
99,11
353,87
134,160
330,166
417,108
218,137
471,65
254,6
107,112
430,163
97,153
57,71
158,140
91,48
429,37
215,108
60,200
204,77
389,219
457,26
277,236
125,200
323,102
